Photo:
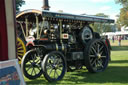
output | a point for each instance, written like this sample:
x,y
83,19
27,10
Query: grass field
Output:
x,y
115,74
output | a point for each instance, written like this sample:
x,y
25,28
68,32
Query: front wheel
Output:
x,y
96,56
31,64
54,66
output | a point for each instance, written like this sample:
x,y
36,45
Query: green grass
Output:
x,y
115,74
119,48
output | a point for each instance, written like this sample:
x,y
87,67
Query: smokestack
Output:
x,y
45,5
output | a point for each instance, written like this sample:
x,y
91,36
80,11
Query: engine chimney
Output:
x,y
45,5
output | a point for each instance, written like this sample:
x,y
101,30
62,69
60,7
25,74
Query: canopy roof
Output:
x,y
86,18
30,14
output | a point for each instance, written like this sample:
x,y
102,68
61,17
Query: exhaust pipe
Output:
x,y
45,5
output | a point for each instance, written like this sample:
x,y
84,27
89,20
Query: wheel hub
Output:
x,y
54,67
34,64
98,56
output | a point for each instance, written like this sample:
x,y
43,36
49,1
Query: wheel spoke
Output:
x,y
60,65
37,60
18,43
95,65
92,56
38,67
101,48
32,71
49,66
100,64
19,58
50,71
60,69
94,50
20,51
31,57
20,54
34,57
91,51
20,48
29,67
101,52
30,61
91,60
98,48
94,62
58,62
55,60
56,73
103,56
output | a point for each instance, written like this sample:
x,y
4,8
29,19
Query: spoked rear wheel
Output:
x,y
96,56
54,66
31,65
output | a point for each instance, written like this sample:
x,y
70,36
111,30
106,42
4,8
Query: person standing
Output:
x,y
113,39
107,42
119,41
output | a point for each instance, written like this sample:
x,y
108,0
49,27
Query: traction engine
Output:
x,y
65,42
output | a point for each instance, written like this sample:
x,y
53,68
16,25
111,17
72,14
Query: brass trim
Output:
x,y
26,20
57,47
62,47
37,25
22,29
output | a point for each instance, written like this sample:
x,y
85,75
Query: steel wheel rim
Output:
x,y
54,66
98,56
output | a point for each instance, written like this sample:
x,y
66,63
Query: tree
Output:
x,y
118,24
101,27
102,15
123,18
122,2
19,3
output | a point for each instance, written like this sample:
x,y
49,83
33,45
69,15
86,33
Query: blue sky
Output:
x,y
90,7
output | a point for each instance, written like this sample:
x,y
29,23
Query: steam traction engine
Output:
x,y
65,42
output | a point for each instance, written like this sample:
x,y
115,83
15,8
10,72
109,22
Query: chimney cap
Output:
x,y
45,5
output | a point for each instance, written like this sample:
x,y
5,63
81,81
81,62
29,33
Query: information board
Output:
x,y
10,73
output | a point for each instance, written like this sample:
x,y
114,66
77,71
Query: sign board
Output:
x,y
10,73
